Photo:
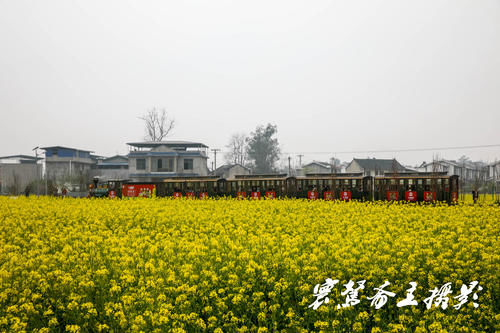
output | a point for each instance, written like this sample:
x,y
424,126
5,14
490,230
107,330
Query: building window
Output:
x,y
141,164
170,165
188,164
165,164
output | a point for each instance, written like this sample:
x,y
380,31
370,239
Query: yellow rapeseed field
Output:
x,y
248,266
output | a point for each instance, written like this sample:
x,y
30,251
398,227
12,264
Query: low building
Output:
x,y
153,161
315,167
68,165
374,167
229,171
108,168
18,172
467,171
494,172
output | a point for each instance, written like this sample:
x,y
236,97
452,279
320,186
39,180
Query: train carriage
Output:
x,y
416,187
257,186
335,186
101,188
138,189
193,187
411,187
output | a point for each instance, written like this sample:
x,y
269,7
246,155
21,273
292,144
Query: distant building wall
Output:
x,y
111,168
18,176
107,174
355,167
494,172
315,168
374,167
229,172
237,170
60,171
466,171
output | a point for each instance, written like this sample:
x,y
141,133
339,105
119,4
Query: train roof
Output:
x,y
415,173
255,179
354,175
415,176
271,175
335,175
191,179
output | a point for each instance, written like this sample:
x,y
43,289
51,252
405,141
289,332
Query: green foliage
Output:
x,y
263,149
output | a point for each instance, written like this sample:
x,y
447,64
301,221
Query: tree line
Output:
x,y
258,151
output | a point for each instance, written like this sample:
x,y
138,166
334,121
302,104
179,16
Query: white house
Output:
x,y
152,161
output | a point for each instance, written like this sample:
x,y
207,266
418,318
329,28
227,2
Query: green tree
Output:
x,y
263,149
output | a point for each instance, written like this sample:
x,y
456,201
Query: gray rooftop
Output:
x,y
171,144
379,164
223,168
61,147
26,157
321,164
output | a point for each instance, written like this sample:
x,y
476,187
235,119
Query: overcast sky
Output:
x,y
334,76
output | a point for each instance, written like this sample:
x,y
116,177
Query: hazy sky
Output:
x,y
334,76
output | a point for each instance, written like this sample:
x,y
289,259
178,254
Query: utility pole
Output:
x,y
332,159
36,169
215,150
300,160
289,166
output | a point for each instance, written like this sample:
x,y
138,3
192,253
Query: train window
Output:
x,y
439,181
446,181
354,182
420,182
393,181
346,181
401,182
410,181
427,182
337,182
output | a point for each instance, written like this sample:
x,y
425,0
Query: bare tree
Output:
x,y
436,168
14,187
158,124
237,149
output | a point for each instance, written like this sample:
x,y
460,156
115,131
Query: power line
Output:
x,y
299,153
395,150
